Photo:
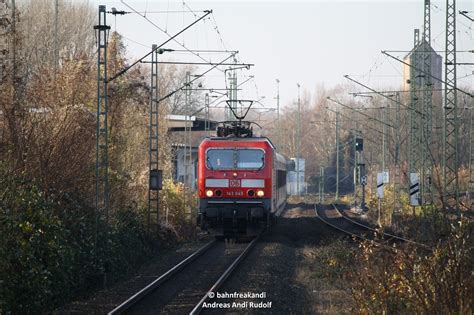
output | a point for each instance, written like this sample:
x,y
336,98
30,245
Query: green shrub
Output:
x,y
47,247
35,258
180,216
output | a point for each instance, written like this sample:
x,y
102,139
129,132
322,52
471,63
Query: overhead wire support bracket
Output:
x,y
245,65
225,94
124,70
350,119
195,78
362,113
464,13
426,73
382,94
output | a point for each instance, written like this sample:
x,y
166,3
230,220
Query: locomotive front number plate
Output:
x,y
234,193
234,183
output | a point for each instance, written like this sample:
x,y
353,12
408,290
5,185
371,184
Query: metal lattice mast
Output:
x,y
187,143
397,184
450,130
102,143
207,122
153,194
415,132
427,107
187,133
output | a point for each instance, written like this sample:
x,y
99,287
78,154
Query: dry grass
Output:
x,y
414,282
323,272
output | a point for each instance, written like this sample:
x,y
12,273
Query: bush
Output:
x,y
414,282
179,216
35,259
47,247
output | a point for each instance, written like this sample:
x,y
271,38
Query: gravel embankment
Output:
x,y
299,265
284,265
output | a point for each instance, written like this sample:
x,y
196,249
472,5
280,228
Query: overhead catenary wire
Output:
x,y
195,78
173,38
385,96
124,70
427,73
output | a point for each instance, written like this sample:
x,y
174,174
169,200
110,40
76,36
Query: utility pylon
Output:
x,y
427,108
450,130
415,128
153,193
102,142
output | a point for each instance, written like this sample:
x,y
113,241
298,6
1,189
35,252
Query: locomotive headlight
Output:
x,y
260,193
209,193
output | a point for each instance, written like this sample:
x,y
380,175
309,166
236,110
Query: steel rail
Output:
x,y
159,281
346,217
198,308
337,227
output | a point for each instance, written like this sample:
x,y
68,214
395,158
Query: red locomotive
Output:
x,y
241,181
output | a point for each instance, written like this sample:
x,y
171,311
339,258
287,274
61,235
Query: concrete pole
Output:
x,y
278,110
356,162
337,156
384,131
298,140
322,183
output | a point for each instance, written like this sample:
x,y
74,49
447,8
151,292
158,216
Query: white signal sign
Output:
x,y
380,184
414,189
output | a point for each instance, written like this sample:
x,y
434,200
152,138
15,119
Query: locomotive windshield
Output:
x,y
229,159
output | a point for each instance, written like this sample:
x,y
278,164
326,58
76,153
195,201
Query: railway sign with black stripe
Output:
x,y
414,189
380,185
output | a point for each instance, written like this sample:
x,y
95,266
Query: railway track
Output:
x,y
333,218
187,286
340,221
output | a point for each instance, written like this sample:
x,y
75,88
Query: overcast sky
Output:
x,y
308,42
